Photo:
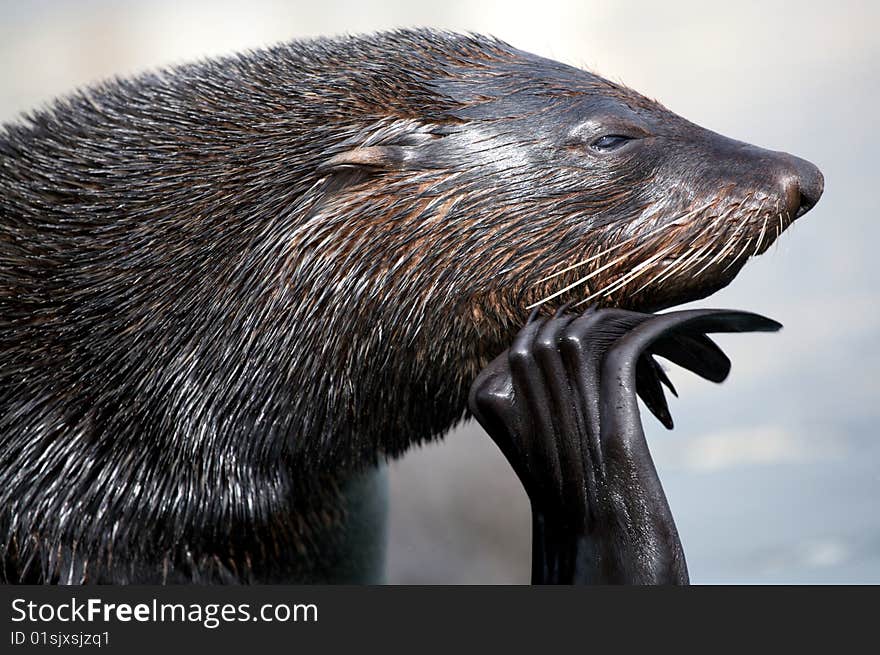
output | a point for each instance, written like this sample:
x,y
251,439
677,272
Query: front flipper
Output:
x,y
561,405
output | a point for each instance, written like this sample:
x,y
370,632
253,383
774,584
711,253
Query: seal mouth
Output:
x,y
804,208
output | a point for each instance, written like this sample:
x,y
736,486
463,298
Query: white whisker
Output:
x,y
739,254
628,277
584,279
677,221
696,257
761,238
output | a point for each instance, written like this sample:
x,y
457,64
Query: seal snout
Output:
x,y
803,184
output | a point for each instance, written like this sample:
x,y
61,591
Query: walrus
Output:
x,y
230,289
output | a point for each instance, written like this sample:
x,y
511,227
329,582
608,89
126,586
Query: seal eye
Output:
x,y
610,142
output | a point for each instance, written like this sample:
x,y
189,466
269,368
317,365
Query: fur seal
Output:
x,y
228,288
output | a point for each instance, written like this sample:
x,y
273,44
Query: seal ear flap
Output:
x,y
397,145
369,158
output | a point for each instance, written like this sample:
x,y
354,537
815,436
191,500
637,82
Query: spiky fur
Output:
x,y
226,285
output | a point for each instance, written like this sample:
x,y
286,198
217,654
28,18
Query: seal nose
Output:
x,y
803,184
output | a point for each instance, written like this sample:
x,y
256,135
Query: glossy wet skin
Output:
x,y
742,197
561,405
298,260
699,205
650,211
632,205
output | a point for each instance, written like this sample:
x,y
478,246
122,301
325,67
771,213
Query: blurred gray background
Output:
x,y
774,476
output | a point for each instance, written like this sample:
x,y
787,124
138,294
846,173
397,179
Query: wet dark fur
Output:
x,y
225,285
